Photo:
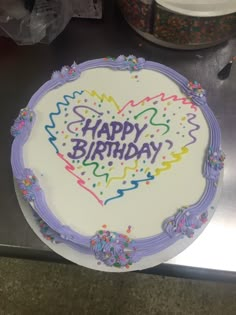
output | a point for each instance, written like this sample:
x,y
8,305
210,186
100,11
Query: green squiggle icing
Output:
x,y
151,119
94,170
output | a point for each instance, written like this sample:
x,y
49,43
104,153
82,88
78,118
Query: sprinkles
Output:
x,y
66,72
196,89
113,249
130,62
25,117
128,229
28,185
216,159
184,223
47,232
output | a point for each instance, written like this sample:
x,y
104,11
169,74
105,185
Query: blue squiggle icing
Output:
x,y
135,184
52,138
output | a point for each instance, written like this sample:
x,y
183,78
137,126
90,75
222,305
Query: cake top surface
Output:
x,y
122,145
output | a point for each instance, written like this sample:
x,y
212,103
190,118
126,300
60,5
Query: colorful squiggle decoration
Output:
x,y
104,97
168,164
95,169
135,184
126,169
115,171
70,168
52,138
152,117
162,97
193,116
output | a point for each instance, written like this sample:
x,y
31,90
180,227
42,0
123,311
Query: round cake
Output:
x,y
118,158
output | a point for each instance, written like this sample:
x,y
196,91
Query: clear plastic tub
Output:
x,y
177,30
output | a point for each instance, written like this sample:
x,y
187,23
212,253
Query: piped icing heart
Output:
x,y
113,148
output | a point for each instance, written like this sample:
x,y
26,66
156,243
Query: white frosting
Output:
x,y
144,208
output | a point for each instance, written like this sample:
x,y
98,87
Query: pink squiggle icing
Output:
x,y
70,168
193,116
162,97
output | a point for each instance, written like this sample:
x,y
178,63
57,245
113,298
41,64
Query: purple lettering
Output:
x,y
119,150
109,146
145,149
128,128
99,149
116,128
129,154
139,131
93,129
79,146
90,150
156,149
104,130
170,144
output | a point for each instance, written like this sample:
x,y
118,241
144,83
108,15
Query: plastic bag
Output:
x,y
33,21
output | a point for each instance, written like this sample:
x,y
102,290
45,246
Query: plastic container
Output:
x,y
182,24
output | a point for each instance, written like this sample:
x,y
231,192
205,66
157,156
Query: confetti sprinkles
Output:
x,y
25,118
183,223
195,88
128,229
113,249
46,231
137,13
216,159
195,31
28,185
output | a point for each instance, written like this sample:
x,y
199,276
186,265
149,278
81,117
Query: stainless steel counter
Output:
x,y
24,69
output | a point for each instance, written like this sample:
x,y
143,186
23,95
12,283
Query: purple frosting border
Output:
x,y
184,221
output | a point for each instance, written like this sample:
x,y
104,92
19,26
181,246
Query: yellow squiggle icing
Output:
x,y
168,164
103,97
126,169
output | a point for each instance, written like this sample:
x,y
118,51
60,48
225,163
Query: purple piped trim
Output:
x,y
195,89
48,233
28,185
113,249
24,120
214,164
66,74
183,223
130,63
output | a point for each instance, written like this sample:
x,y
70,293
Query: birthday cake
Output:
x,y
118,158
